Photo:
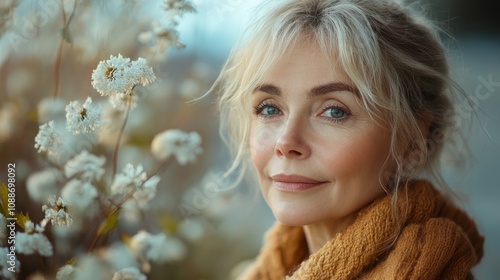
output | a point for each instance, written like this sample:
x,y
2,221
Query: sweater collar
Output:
x,y
362,244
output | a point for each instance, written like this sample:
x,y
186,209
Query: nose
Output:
x,y
292,141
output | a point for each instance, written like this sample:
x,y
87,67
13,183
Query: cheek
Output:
x,y
357,157
262,141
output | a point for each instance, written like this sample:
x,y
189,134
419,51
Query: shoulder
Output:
x,y
436,249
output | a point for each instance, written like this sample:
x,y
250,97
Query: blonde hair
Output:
x,y
392,54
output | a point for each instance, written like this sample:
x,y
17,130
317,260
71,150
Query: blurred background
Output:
x,y
40,69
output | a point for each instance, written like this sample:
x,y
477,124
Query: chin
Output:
x,y
292,216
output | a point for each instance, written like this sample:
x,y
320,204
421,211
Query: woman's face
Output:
x,y
317,152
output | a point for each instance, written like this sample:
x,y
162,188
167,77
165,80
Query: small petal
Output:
x,y
82,118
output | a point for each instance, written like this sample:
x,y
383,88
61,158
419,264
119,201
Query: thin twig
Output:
x,y
98,233
58,62
117,144
57,67
161,167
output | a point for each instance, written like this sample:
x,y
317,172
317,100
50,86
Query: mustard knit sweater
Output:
x,y
438,241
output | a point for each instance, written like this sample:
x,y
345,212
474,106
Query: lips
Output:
x,y
295,183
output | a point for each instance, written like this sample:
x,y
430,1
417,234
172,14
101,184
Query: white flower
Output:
x,y
47,140
86,166
57,212
157,247
43,184
79,194
191,229
29,243
30,227
5,263
118,256
67,272
146,192
82,118
129,273
161,35
129,180
141,72
134,180
120,101
90,267
110,76
131,212
178,7
117,77
185,146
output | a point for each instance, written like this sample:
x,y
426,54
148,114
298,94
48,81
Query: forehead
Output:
x,y
306,64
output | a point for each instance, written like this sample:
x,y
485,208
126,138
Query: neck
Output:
x,y
318,234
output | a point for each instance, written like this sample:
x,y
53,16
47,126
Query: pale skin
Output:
x,y
317,151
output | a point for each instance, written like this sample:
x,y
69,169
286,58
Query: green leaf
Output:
x,y
168,223
32,115
4,200
71,262
126,239
110,223
22,219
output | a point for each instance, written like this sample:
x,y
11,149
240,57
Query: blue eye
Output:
x,y
336,113
270,110
266,109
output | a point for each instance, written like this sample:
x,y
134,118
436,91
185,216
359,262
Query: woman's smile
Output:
x,y
295,183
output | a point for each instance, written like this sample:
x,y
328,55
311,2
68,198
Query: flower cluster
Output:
x,y
97,181
184,146
85,166
78,194
43,184
158,248
57,212
163,32
81,183
47,140
82,118
33,240
116,78
134,181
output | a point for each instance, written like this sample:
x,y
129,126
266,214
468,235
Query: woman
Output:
x,y
343,107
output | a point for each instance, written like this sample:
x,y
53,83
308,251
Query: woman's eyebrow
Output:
x,y
268,88
332,87
315,91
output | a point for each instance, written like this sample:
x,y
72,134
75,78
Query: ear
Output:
x,y
414,156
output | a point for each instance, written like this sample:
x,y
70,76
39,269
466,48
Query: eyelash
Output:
x,y
259,108
347,113
265,104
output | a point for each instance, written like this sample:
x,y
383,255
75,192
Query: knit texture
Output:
x,y
438,241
